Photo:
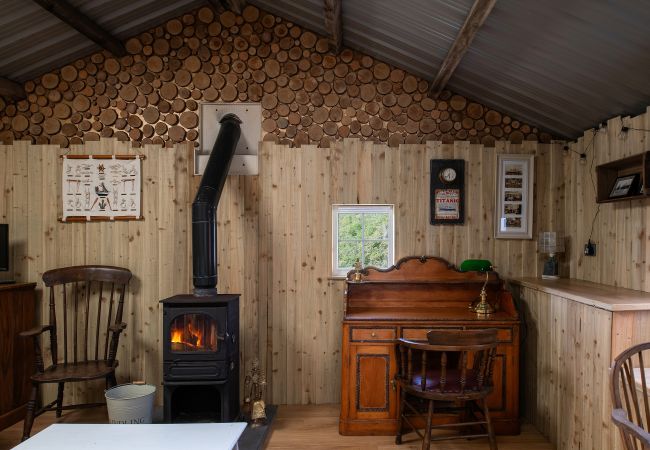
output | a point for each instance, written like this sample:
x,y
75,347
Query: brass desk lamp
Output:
x,y
481,306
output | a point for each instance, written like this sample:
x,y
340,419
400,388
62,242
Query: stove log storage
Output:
x,y
200,330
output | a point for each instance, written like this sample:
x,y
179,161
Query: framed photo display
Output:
x,y
625,186
514,202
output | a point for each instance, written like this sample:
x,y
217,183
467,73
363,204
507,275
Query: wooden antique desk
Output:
x,y
416,295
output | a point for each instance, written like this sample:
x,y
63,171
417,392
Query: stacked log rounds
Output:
x,y
308,95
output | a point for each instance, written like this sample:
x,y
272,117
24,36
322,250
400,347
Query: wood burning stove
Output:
x,y
201,330
201,358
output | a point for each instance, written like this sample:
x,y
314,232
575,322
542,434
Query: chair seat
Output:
x,y
81,371
452,383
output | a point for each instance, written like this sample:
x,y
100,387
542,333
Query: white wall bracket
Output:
x,y
245,161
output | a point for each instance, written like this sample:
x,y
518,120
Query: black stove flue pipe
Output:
x,y
204,207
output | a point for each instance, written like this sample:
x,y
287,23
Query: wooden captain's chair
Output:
x,y
455,366
90,304
629,382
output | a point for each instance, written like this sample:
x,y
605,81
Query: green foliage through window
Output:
x,y
365,236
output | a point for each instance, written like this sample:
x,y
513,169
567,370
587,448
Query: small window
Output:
x,y
363,232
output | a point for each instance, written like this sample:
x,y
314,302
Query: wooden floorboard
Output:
x,y
305,427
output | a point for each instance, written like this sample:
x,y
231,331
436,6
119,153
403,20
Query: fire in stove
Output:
x,y
193,332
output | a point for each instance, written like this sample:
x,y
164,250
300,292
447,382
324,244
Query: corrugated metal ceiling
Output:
x,y
32,41
561,65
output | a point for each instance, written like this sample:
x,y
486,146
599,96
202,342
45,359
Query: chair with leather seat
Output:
x,y
85,322
453,370
630,379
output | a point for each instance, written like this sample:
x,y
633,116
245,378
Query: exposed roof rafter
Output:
x,y
11,89
236,6
83,24
475,19
333,11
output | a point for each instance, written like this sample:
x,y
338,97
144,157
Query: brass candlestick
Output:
x,y
357,271
483,307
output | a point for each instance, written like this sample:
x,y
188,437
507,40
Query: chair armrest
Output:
x,y
619,416
35,331
117,328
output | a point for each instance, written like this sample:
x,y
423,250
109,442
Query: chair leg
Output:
x,y
59,400
486,412
426,442
111,381
402,400
31,411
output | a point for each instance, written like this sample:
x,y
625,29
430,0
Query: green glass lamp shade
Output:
x,y
475,265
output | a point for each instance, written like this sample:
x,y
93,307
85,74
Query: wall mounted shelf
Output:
x,y
608,173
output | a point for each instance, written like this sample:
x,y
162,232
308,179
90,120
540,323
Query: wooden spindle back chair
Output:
x,y
630,379
85,321
453,366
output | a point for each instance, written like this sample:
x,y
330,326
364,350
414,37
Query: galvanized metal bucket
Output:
x,y
130,403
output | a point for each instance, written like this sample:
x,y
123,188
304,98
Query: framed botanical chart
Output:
x,y
514,201
101,187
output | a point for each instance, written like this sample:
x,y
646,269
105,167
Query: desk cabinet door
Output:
x,y
372,370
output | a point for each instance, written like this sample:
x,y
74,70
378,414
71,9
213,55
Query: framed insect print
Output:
x,y
447,191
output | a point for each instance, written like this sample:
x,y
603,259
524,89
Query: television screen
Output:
x,y
4,246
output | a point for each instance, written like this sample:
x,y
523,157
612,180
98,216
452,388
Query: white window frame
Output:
x,y
362,209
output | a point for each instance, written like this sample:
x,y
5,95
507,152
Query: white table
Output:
x,y
176,436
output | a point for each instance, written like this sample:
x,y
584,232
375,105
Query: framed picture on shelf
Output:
x,y
625,185
514,201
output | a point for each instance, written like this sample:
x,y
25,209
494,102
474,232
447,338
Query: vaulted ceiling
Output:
x,y
563,65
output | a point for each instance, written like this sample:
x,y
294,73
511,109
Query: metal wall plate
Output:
x,y
245,159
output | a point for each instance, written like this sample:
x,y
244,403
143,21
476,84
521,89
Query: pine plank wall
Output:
x,y
274,237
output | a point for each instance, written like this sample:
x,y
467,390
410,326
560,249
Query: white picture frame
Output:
x,y
513,215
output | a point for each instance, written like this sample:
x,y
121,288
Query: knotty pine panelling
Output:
x,y
155,249
620,229
297,188
274,240
308,94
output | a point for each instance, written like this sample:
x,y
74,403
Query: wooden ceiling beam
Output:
x,y
236,6
475,19
11,89
83,24
333,11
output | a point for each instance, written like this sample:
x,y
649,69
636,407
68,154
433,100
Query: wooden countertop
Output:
x,y
610,298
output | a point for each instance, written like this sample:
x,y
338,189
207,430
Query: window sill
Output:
x,y
336,278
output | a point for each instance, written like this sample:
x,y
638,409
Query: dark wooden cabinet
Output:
x,y
415,296
17,305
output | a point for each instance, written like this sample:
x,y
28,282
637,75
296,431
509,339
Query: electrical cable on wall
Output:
x,y
593,181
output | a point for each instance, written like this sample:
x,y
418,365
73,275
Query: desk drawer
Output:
x,y
372,334
420,333
503,334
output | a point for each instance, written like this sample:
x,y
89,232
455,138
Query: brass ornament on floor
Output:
x,y
254,387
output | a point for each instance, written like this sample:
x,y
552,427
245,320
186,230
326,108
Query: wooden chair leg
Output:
x,y
111,381
402,400
31,411
59,400
491,437
426,442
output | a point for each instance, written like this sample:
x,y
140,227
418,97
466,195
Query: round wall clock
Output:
x,y
447,175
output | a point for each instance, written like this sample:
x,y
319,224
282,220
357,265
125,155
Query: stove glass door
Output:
x,y
193,332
